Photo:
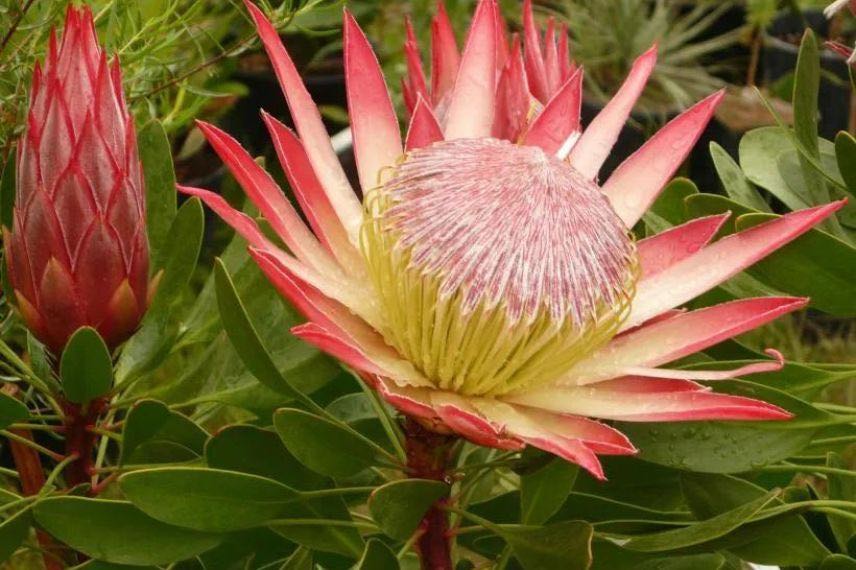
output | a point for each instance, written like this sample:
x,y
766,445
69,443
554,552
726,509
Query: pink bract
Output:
x,y
523,102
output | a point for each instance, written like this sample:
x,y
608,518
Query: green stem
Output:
x,y
58,469
834,440
835,407
325,523
809,505
407,546
36,427
395,435
18,503
504,460
336,492
9,472
836,512
32,444
808,468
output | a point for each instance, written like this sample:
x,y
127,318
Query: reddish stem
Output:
x,y
32,477
428,455
80,439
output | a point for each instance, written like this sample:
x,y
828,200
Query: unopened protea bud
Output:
x,y
77,252
531,273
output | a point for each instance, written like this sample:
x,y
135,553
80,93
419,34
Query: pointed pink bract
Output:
x,y
635,184
476,80
377,140
599,137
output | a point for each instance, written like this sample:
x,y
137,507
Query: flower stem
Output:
x,y
31,475
428,457
80,439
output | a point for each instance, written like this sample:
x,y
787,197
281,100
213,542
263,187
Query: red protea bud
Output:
x,y
77,253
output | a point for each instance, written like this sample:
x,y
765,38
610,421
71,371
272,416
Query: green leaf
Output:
x,y
780,541
157,334
322,445
729,447
254,548
39,362
712,561
7,192
668,209
243,335
377,556
816,264
806,85
13,531
86,368
116,531
101,565
399,506
179,262
760,150
845,153
352,408
156,159
616,514
699,205
734,181
543,492
841,488
700,532
210,500
560,545
838,562
261,452
636,482
12,411
151,424
320,534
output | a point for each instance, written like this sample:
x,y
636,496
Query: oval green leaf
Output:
x,y
12,410
399,506
543,491
13,532
209,500
86,368
780,541
243,335
116,531
377,556
701,532
560,545
152,424
845,154
249,449
156,159
322,445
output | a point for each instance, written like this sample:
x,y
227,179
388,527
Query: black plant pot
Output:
x,y
781,48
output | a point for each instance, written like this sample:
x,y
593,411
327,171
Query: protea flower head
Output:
x,y
77,252
487,285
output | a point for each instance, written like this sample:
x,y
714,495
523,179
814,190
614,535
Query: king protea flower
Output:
x,y
487,285
77,252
